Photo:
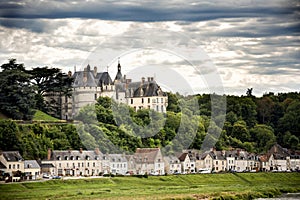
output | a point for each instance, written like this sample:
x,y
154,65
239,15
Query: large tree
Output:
x,y
51,86
17,93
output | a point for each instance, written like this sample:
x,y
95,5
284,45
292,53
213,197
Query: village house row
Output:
x,y
149,161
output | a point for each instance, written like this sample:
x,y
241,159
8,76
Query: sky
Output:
x,y
188,46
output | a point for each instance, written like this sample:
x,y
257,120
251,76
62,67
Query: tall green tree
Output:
x,y
51,86
17,98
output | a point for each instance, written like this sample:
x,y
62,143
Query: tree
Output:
x,y
291,119
263,136
9,139
51,85
17,94
240,131
265,107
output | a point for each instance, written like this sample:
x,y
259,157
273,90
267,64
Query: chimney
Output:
x,y
143,80
49,154
97,151
149,79
69,73
223,152
95,70
80,150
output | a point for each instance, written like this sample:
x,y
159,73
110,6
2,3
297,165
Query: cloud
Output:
x,y
250,43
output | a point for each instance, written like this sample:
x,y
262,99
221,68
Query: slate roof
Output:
x,y
76,155
80,82
2,166
28,164
117,158
183,156
119,76
148,89
92,79
146,155
12,156
47,165
103,78
171,159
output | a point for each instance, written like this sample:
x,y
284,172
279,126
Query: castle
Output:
x,y
89,85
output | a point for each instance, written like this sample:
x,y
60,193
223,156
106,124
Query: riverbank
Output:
x,y
197,186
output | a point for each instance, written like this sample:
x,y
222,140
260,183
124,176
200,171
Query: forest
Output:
x,y
224,121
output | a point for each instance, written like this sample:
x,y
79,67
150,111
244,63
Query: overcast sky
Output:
x,y
207,44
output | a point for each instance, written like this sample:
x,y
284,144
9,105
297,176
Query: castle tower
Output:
x,y
119,76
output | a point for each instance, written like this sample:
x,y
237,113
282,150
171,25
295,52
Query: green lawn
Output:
x,y
39,115
198,186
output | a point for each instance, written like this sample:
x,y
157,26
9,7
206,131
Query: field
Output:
x,y
198,186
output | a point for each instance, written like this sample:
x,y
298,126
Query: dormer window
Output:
x,y
77,158
58,158
87,157
66,158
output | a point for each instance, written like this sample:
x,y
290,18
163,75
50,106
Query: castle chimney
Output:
x,y
49,154
149,79
80,150
143,80
95,70
69,73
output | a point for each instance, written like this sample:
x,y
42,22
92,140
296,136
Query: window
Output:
x,y
217,168
131,101
142,100
216,162
148,100
88,164
94,165
9,166
59,164
162,108
95,96
78,164
162,100
82,164
157,108
18,166
14,166
67,164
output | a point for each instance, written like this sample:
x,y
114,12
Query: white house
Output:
x,y
11,162
118,164
187,163
32,169
149,161
172,164
75,163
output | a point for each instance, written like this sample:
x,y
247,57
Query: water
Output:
x,y
289,196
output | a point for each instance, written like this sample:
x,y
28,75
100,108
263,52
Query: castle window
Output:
x,y
131,101
142,100
162,100
162,108
148,100
95,96
157,108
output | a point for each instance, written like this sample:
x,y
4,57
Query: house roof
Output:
x,y
148,89
12,156
117,158
47,165
2,166
31,164
183,156
171,159
147,155
75,154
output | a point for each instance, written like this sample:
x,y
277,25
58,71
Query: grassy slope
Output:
x,y
39,115
164,187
